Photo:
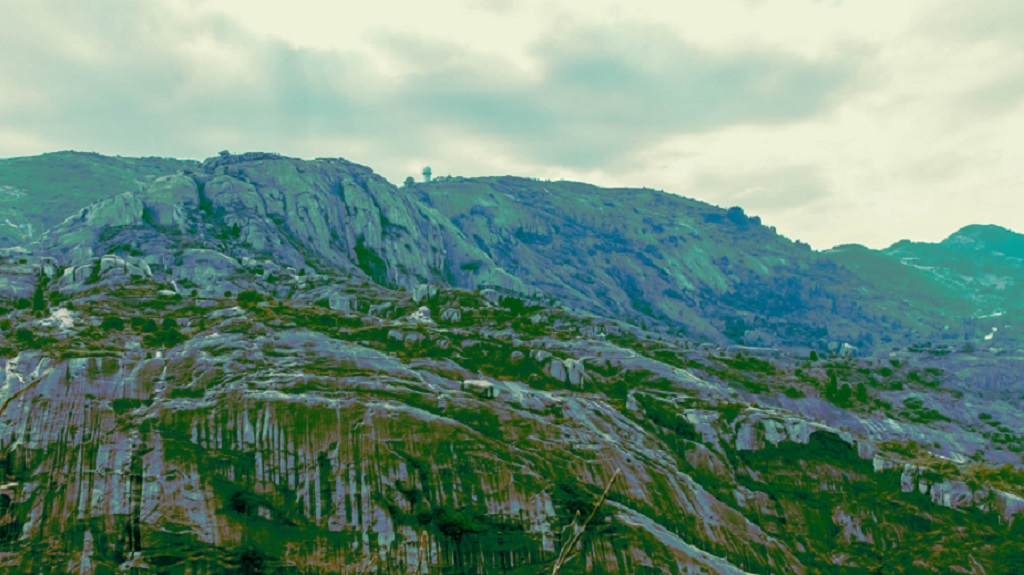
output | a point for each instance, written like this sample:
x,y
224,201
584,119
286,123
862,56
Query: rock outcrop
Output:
x,y
322,214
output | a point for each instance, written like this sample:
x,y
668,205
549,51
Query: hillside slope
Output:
x,y
661,259
269,365
38,192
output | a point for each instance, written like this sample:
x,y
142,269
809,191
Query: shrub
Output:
x,y
794,393
514,305
456,523
913,403
249,298
25,336
862,393
572,498
39,298
112,323
164,338
144,324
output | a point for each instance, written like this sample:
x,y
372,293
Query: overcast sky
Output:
x,y
862,121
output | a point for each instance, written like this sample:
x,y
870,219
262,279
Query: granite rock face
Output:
x,y
315,215
315,440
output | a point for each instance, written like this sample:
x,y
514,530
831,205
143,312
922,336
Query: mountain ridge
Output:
x,y
648,256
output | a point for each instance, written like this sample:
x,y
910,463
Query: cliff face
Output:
x,y
273,212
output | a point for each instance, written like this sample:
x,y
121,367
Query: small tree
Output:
x,y
409,182
862,393
112,323
25,336
39,299
249,298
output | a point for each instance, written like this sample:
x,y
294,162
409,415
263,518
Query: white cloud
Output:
x,y
837,121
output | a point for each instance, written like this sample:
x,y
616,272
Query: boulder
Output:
x,y
423,291
421,315
169,199
555,369
451,314
574,371
341,302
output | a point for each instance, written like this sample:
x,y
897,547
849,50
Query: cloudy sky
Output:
x,y
837,121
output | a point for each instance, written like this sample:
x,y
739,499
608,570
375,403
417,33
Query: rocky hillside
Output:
x,y
147,430
665,260
986,265
38,192
266,365
274,216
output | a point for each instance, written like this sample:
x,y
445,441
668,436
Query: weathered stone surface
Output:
x,y
169,200
341,302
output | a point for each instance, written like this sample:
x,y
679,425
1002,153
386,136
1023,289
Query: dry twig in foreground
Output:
x,y
566,552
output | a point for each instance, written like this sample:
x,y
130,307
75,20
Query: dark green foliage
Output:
x,y
736,215
249,298
24,336
480,419
794,393
750,364
94,273
913,403
572,498
250,560
39,298
371,263
244,503
164,338
668,416
842,398
514,305
144,324
862,393
168,323
455,523
124,405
